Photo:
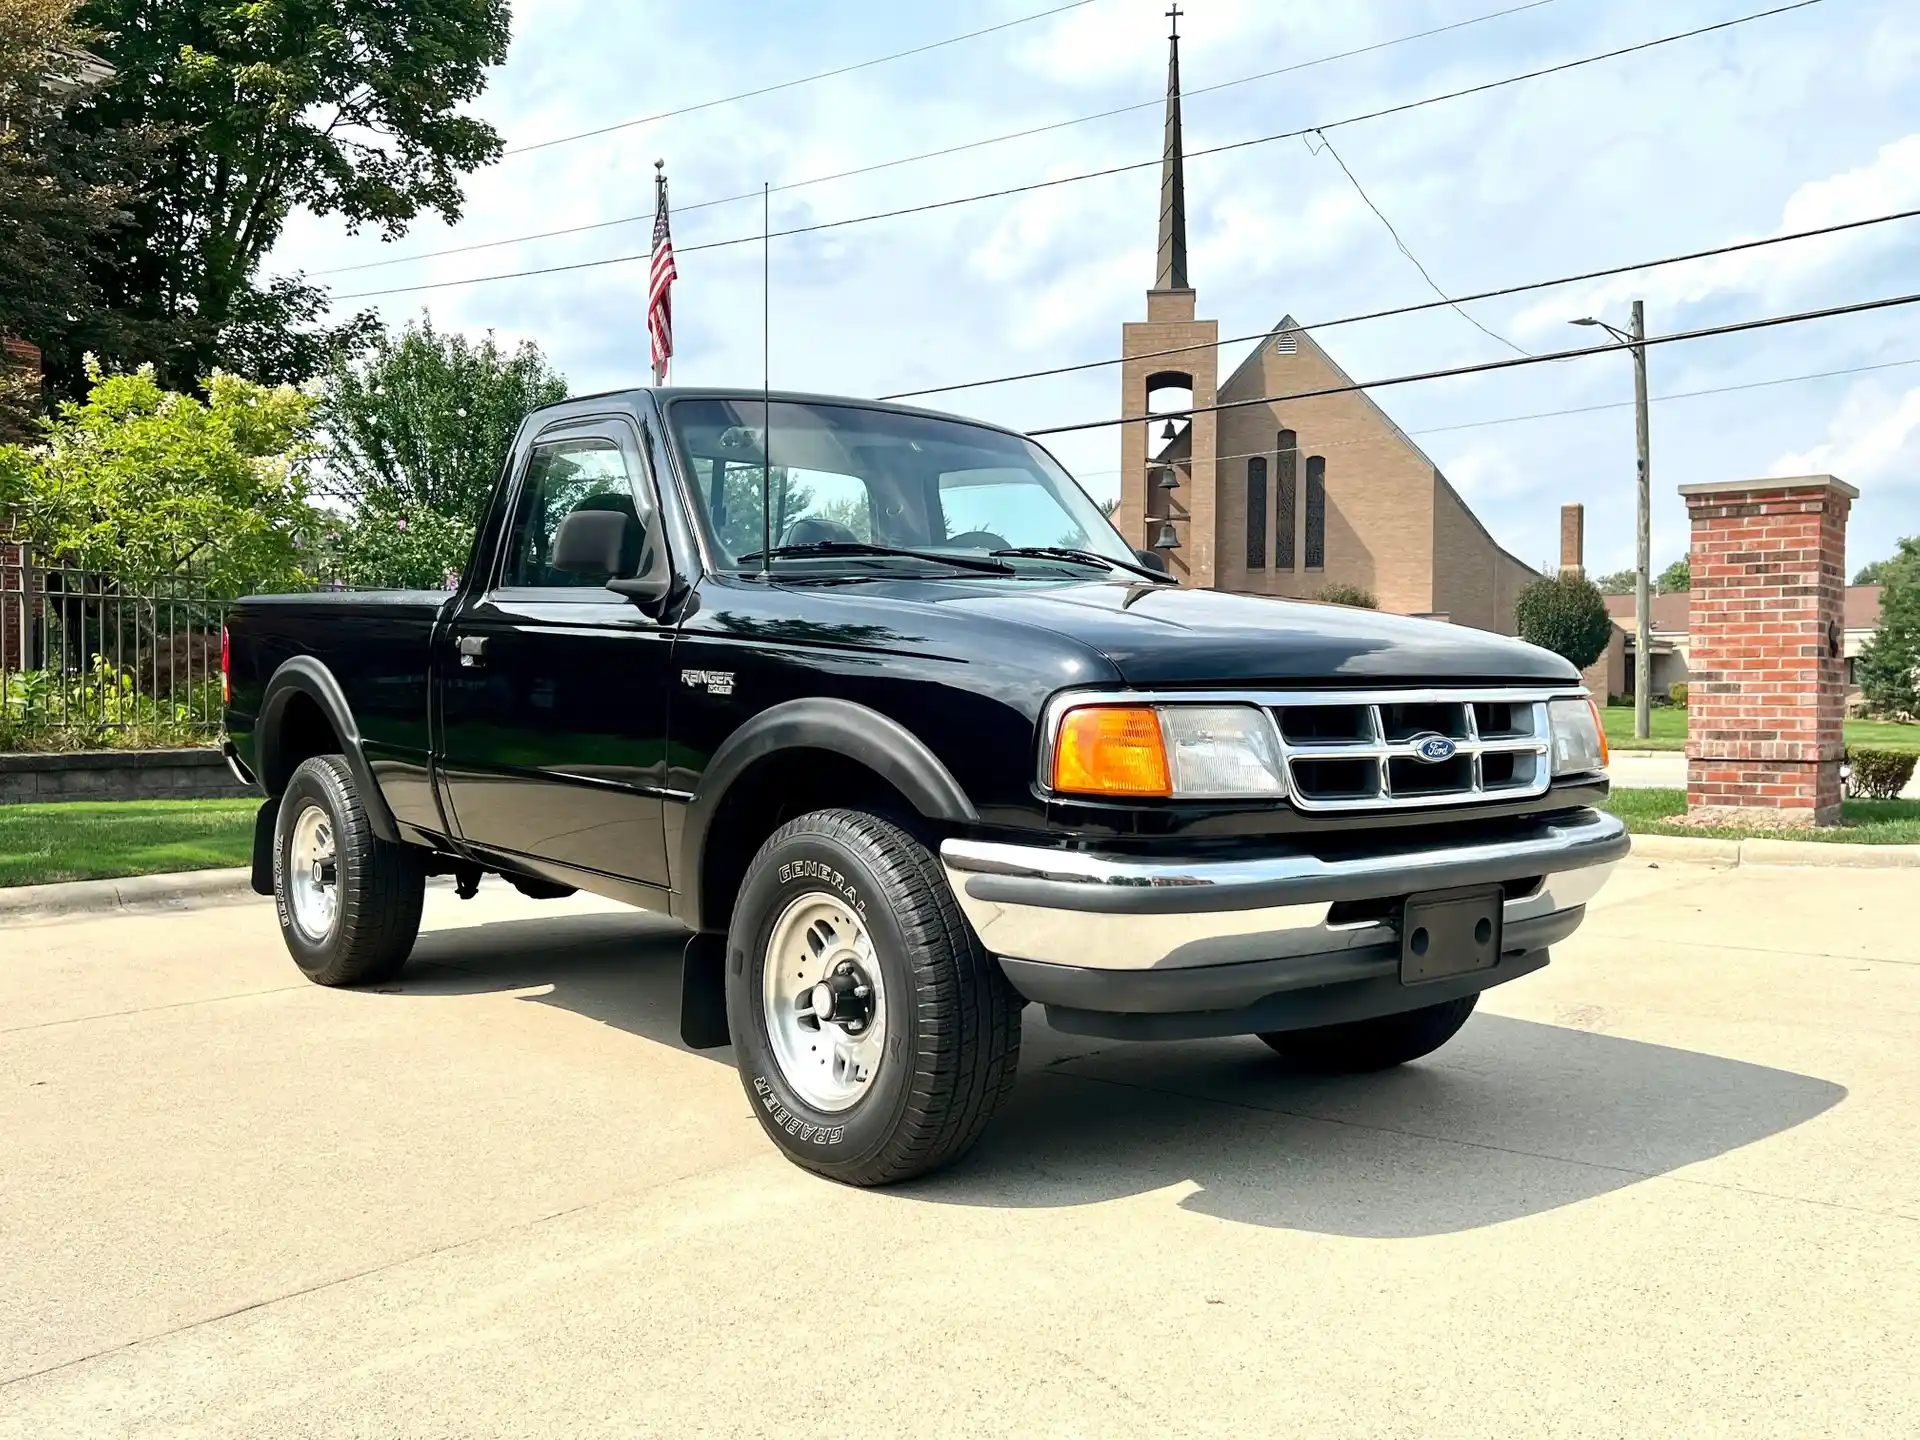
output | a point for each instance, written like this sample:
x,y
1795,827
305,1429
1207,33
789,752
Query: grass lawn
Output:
x,y
1866,822
1670,731
92,841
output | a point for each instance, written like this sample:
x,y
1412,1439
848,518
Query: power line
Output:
x,y
1432,284
1735,328
1568,410
791,84
1111,170
940,153
1422,305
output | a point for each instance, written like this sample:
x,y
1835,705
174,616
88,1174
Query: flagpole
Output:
x,y
659,205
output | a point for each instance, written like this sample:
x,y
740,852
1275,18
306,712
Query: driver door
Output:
x,y
555,689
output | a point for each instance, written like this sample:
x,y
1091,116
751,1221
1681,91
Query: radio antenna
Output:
x,y
766,384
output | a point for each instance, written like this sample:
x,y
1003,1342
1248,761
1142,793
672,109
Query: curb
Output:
x,y
1813,854
137,892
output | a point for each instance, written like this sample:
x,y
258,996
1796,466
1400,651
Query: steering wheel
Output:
x,y
978,540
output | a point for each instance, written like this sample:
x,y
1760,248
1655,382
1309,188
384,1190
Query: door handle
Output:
x,y
473,651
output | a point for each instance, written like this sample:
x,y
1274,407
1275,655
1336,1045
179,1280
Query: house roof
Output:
x,y
1671,613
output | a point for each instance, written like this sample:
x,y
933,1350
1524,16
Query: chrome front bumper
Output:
x,y
1043,909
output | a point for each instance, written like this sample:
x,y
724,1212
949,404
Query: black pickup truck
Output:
x,y
879,706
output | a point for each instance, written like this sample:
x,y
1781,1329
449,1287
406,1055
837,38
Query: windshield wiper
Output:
x,y
1085,557
819,549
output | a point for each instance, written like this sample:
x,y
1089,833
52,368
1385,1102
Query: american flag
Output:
x,y
660,280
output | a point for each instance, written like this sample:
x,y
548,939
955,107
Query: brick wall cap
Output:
x,y
1771,483
54,761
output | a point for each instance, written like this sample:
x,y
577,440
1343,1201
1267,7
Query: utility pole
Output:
x,y
1643,576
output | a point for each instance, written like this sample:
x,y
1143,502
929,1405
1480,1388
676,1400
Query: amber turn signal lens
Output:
x,y
1111,750
1600,729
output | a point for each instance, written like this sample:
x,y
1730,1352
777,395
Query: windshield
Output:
x,y
844,475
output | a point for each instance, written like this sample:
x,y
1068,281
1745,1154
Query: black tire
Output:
x,y
1377,1044
952,1039
380,886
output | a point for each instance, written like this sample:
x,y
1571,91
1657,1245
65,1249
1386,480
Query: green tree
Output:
x,y
62,197
351,108
1889,667
1873,574
1620,582
425,420
1677,578
1565,614
141,483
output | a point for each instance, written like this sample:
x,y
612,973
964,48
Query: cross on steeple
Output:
x,y
1174,15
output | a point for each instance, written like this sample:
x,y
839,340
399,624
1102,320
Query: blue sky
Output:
x,y
1785,123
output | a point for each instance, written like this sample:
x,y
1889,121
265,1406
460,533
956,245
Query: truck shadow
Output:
x,y
1511,1119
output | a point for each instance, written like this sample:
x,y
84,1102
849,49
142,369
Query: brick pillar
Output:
x,y
20,604
1768,688
1573,539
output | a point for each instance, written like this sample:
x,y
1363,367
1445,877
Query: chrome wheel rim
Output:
x,y
313,874
824,1001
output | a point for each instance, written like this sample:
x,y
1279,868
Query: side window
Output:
x,y
562,477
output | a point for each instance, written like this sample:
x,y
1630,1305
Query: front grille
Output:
x,y
1362,751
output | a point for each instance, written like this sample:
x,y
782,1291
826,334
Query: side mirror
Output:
x,y
1153,560
597,542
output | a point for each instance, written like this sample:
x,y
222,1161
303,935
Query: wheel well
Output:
x,y
302,732
775,790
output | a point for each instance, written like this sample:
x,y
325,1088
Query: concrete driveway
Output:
x,y
1670,1186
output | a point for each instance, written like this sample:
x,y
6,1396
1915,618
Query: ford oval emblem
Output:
x,y
1434,748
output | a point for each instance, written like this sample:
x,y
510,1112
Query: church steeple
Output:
x,y
1171,273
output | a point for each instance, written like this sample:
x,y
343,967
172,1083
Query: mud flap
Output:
x,y
703,993
265,826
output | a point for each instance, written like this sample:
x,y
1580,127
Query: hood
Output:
x,y
1158,635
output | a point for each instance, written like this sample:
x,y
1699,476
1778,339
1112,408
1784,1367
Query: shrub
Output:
x,y
103,709
1878,774
1358,596
1677,692
1567,615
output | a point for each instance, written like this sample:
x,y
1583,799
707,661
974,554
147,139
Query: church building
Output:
x,y
1285,496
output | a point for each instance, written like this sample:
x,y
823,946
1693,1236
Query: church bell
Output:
x,y
1167,539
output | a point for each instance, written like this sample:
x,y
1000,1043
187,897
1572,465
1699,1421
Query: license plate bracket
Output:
x,y
1444,933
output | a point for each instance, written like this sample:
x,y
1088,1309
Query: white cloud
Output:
x,y
1875,436
1890,181
1486,472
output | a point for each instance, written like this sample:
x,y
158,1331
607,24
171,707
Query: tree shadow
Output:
x,y
1511,1119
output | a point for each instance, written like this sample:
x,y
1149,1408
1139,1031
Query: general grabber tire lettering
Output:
x,y
1377,1044
349,902
843,910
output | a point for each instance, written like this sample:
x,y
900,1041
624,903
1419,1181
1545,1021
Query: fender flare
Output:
x,y
304,675
879,742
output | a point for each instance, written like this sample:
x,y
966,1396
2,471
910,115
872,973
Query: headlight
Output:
x,y
1579,744
1187,752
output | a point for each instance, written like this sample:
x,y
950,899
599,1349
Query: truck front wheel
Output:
x,y
874,1037
1376,1044
349,902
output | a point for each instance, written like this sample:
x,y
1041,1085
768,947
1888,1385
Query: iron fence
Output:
x,y
89,658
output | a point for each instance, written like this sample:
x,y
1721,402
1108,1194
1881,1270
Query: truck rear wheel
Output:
x,y
874,1037
349,902
1376,1044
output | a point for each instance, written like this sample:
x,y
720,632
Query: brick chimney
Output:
x,y
1573,539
